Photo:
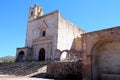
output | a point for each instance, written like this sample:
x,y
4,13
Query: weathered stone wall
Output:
x,y
99,48
65,70
67,32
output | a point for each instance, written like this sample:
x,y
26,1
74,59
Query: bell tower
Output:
x,y
35,12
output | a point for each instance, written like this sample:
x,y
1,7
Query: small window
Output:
x,y
43,33
31,13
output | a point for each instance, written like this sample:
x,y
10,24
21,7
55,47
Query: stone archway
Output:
x,y
42,54
63,56
21,55
106,61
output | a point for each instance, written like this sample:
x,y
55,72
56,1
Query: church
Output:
x,y
50,37
47,35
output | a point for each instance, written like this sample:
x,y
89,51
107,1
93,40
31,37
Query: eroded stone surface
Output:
x,y
65,70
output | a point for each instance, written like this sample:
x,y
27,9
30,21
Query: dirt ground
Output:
x,y
12,77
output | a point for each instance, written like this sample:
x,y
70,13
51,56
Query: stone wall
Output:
x,y
65,70
67,32
100,53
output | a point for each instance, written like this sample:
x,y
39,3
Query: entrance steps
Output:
x,y
27,69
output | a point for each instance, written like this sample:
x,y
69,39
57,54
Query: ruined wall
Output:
x,y
100,51
65,70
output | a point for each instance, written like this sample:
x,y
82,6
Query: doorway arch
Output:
x,y
42,54
105,60
21,56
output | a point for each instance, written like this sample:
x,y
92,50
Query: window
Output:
x,y
31,13
43,33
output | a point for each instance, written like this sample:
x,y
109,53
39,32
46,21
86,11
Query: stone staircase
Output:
x,y
23,68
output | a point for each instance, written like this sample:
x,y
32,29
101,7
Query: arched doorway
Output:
x,y
42,54
63,56
21,56
106,61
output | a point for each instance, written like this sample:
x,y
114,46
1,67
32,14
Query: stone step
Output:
x,y
22,68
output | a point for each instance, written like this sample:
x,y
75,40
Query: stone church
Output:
x,y
47,35
50,35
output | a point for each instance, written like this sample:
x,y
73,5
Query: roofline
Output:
x,y
73,24
101,30
56,11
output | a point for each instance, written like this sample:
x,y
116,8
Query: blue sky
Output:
x,y
90,15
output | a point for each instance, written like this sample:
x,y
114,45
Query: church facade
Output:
x,y
47,35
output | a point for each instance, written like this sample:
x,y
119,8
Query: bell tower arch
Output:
x,y
35,12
